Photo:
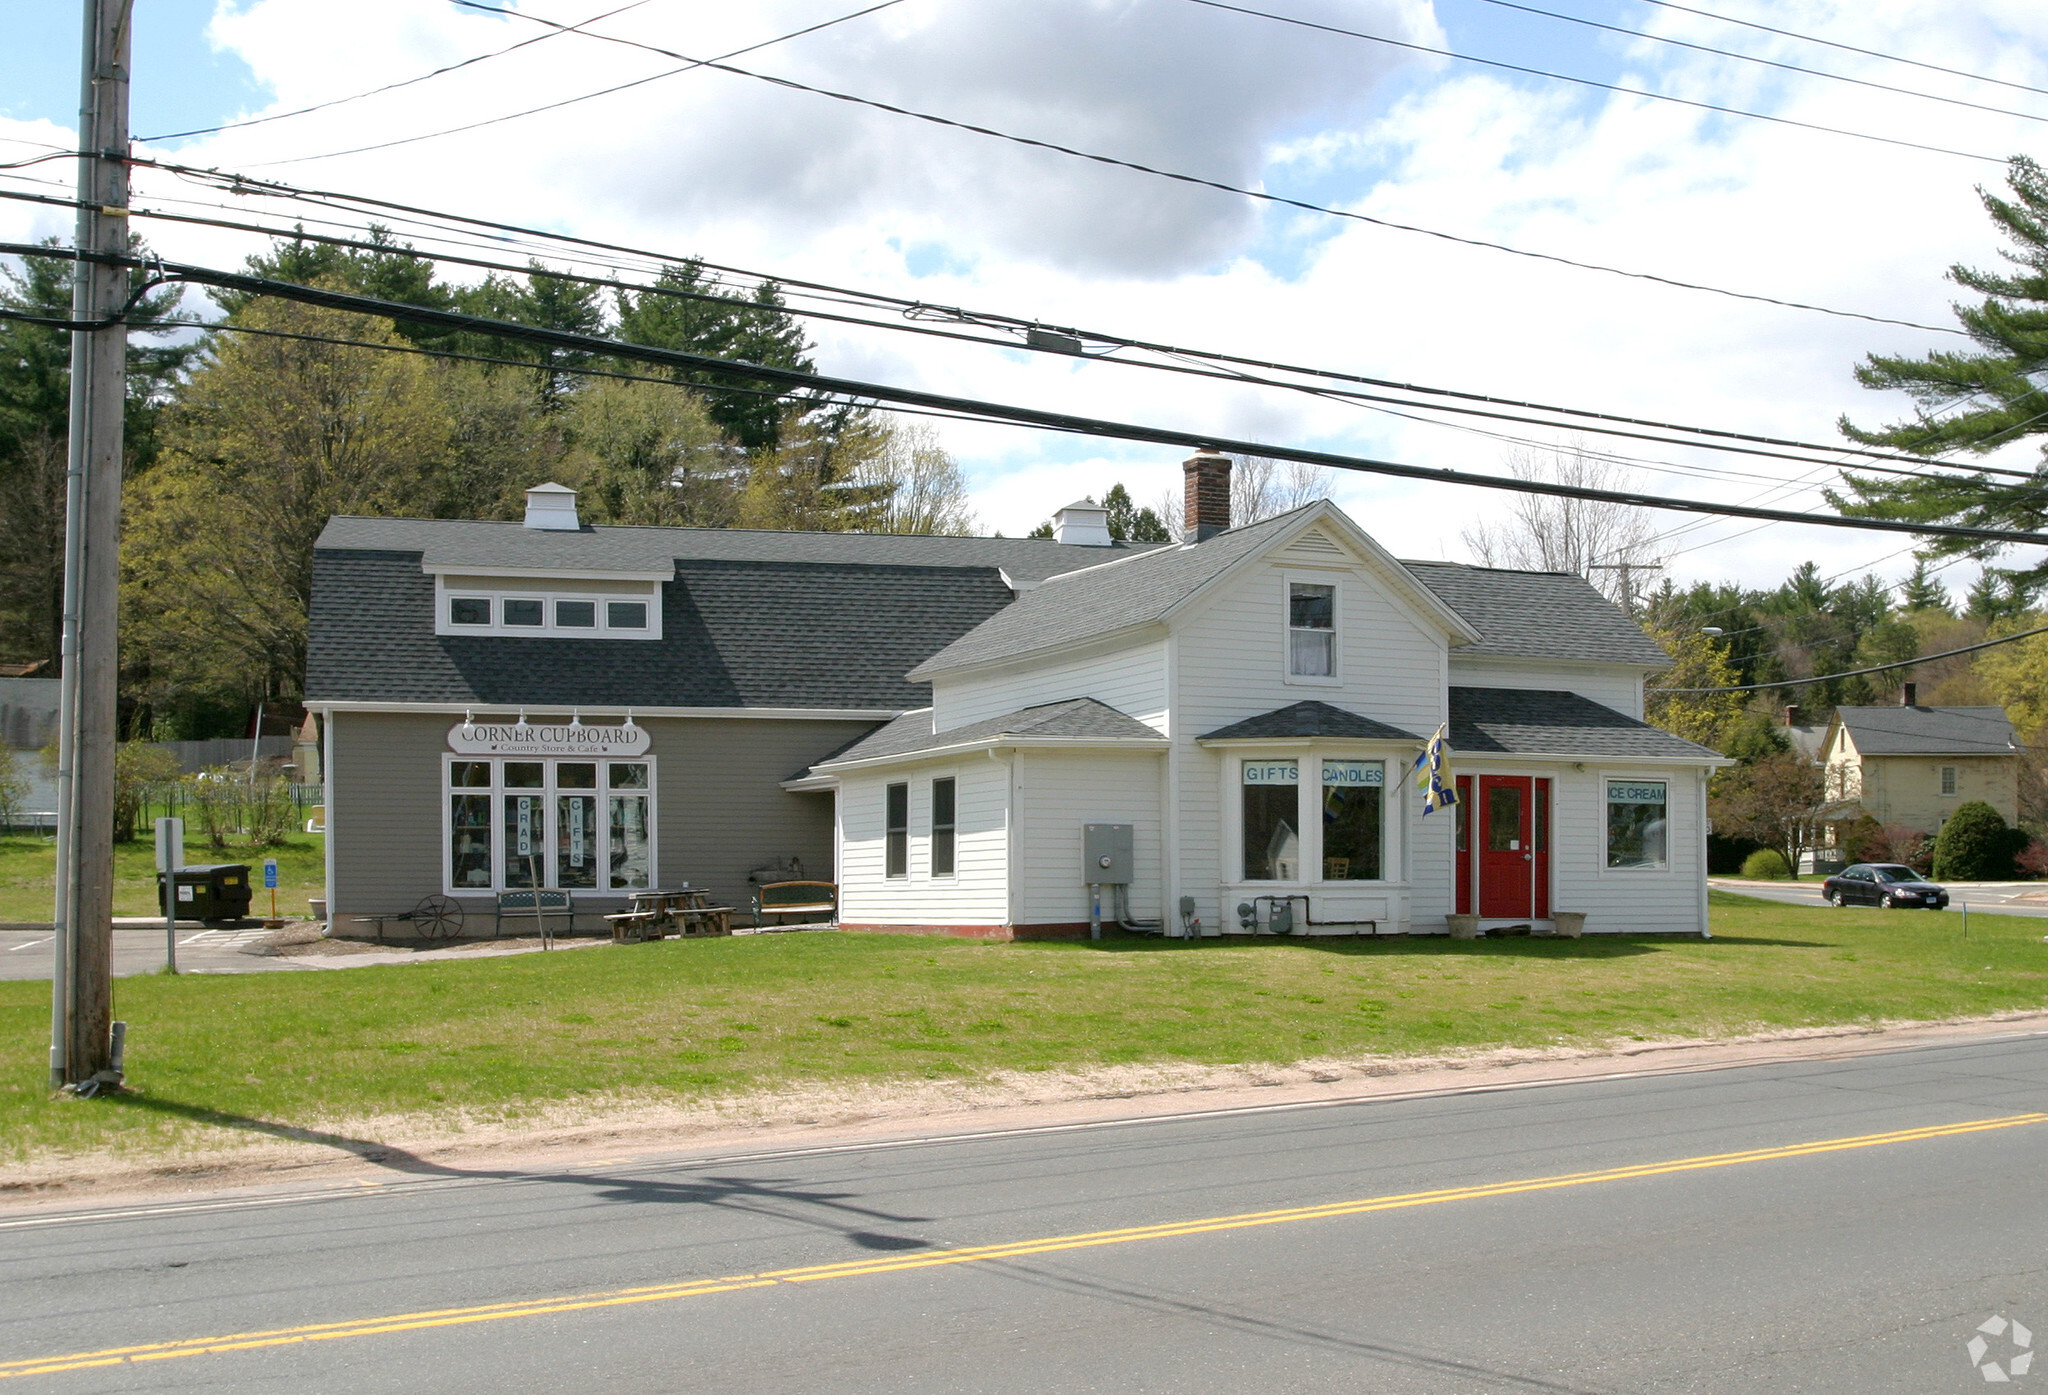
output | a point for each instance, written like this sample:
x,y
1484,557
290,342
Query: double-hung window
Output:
x,y
1311,630
574,824
943,799
896,834
1948,779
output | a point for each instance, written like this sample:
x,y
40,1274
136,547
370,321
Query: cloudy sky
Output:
x,y
747,173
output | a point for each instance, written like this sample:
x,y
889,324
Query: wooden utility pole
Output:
x,y
82,988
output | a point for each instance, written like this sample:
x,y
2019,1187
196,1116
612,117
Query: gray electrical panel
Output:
x,y
1106,854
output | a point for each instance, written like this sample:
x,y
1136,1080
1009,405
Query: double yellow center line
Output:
x,y
857,1268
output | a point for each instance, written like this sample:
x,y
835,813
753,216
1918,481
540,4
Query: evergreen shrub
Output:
x,y
1973,846
1766,864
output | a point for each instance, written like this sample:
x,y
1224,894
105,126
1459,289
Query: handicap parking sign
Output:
x,y
270,873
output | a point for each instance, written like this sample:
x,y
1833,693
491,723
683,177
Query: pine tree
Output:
x,y
2010,327
1923,593
691,311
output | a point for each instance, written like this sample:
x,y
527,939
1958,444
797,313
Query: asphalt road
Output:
x,y
2000,898
26,953
1852,1225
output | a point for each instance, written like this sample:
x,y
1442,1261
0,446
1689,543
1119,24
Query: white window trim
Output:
x,y
909,830
1663,869
1309,816
445,595
1335,581
548,791
1951,781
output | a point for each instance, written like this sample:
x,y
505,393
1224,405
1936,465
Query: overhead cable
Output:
x,y
1371,401
1763,62
1589,82
1846,48
688,66
1860,672
796,380
390,86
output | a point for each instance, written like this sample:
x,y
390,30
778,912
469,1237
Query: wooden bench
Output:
x,y
541,905
795,898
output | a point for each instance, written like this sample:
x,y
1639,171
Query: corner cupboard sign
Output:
x,y
521,739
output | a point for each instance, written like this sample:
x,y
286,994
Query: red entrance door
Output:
x,y
1507,857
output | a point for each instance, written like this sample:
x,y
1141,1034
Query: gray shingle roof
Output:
x,y
1527,722
455,544
1308,719
1929,731
1105,599
735,634
1080,719
1538,615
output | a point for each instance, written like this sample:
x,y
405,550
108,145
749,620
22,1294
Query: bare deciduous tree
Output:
x,y
1614,546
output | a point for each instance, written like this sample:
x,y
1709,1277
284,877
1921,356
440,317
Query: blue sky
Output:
x,y
180,80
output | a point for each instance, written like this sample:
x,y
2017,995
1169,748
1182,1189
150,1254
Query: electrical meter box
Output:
x,y
1106,853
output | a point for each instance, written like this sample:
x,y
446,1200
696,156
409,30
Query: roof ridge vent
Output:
x,y
552,507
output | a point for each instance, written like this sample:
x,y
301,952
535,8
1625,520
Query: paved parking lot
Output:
x,y
25,954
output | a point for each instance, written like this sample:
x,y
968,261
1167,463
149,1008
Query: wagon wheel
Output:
x,y
436,916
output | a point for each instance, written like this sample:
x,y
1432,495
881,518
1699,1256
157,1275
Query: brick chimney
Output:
x,y
1207,509
1791,717
1909,695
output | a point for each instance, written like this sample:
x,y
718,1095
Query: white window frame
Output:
x,y
1308,812
1951,781
1660,869
1335,581
931,825
548,791
445,596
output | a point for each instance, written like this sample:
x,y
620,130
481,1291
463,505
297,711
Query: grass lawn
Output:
x,y
676,1020
28,868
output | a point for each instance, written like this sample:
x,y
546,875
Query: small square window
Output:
x,y
625,615
531,614
469,610
575,615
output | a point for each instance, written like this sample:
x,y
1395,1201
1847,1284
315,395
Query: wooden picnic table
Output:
x,y
685,910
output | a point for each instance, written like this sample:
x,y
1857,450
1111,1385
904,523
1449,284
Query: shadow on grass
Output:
x,y
830,1211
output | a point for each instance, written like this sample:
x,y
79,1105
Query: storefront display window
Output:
x,y
511,823
1271,803
1352,818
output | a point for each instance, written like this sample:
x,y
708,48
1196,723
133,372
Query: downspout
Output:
x,y
1700,784
327,805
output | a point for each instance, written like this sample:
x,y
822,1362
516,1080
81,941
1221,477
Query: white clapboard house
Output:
x,y
995,737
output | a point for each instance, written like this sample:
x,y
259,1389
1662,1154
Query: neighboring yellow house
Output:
x,y
1915,765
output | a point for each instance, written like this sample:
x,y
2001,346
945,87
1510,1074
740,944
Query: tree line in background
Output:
x,y
243,441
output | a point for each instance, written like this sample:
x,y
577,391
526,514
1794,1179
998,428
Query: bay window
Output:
x,y
1331,827
520,823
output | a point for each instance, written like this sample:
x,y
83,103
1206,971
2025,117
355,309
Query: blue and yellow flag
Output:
x,y
1429,774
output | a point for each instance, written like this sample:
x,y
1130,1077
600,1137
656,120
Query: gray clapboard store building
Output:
x,y
668,679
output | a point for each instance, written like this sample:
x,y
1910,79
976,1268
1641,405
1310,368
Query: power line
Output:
x,y
391,86
1846,48
1023,416
1589,82
1860,672
1764,62
1178,177
1372,401
689,65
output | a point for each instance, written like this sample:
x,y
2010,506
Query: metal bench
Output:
x,y
540,905
796,898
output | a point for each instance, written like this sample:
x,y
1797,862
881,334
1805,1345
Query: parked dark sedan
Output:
x,y
1886,884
